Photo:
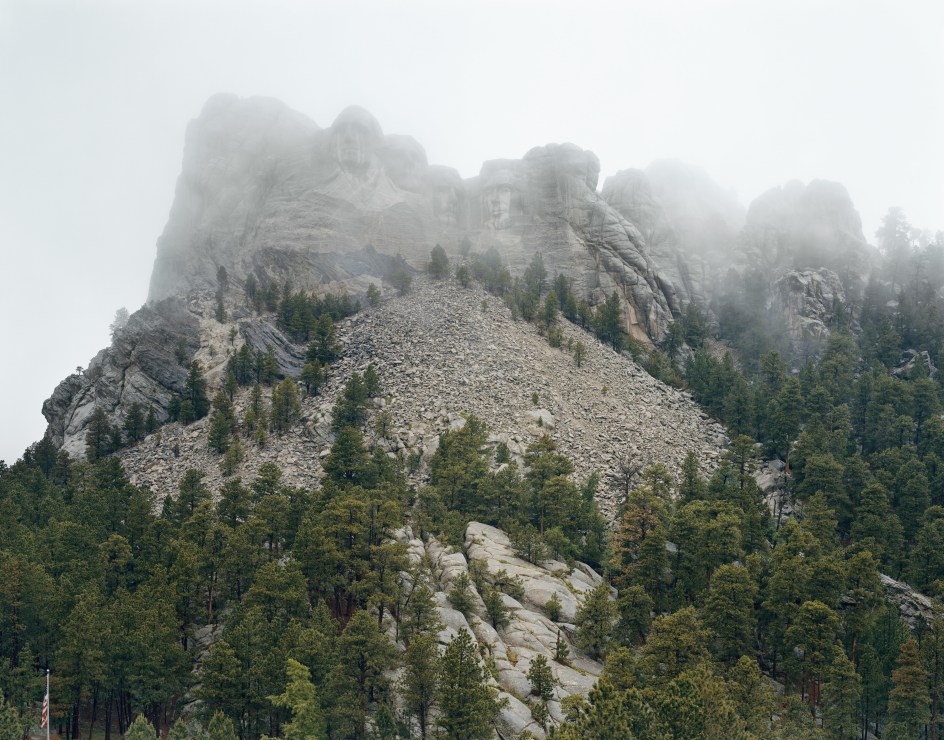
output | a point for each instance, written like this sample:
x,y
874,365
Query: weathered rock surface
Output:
x,y
802,227
439,355
140,366
804,242
264,191
916,609
529,632
909,359
547,202
809,301
689,223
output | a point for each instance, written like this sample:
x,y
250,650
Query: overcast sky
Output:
x,y
95,98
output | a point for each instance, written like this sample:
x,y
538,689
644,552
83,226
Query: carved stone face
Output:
x,y
351,142
497,199
355,136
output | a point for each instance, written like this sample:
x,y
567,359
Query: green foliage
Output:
x,y
438,266
468,706
421,679
541,678
909,700
301,698
580,353
285,406
460,594
594,621
401,279
553,607
495,608
141,729
13,726
350,409
373,295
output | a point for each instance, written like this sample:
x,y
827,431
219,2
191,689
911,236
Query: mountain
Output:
x,y
265,191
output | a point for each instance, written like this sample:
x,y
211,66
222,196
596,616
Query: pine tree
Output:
x,y
460,594
195,392
348,462
541,678
495,608
373,295
150,423
141,729
909,700
421,678
438,266
810,640
285,406
729,611
134,423
468,706
675,643
13,726
98,435
222,423
635,614
364,656
842,693
580,353
221,727
371,381
594,621
301,698
313,377
609,322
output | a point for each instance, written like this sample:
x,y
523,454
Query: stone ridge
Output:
x,y
443,351
264,191
530,632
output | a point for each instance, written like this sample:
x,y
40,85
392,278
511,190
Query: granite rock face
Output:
x,y
809,301
141,366
804,227
265,191
689,223
804,242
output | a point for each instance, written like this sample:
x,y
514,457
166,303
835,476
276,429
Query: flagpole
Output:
x,y
48,705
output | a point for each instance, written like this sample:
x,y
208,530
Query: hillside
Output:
x,y
443,351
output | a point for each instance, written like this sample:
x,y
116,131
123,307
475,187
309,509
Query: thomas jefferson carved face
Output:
x,y
498,205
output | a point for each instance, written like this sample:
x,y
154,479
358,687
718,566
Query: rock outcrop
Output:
x,y
442,351
146,364
530,631
916,609
809,302
803,227
265,191
689,223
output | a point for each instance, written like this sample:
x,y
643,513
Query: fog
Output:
x,y
96,97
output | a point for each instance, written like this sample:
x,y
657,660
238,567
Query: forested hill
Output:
x,y
392,454
259,598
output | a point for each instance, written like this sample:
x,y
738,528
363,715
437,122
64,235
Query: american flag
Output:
x,y
44,723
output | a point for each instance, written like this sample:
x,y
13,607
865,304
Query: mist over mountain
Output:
x,y
390,452
265,192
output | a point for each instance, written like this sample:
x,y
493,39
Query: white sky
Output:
x,y
95,97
